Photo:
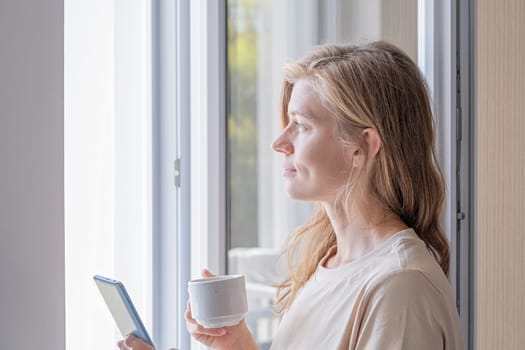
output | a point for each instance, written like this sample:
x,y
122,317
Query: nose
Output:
x,y
282,144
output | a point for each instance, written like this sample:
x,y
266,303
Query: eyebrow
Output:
x,y
300,113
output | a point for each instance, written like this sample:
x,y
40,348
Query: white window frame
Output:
x,y
172,171
189,168
208,137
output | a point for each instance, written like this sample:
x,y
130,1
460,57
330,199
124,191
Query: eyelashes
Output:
x,y
298,125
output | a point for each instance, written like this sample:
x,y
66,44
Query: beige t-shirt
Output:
x,y
395,297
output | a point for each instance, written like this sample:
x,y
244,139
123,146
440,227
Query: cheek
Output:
x,y
325,162
310,157
339,162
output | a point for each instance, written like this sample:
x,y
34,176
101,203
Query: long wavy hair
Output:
x,y
375,85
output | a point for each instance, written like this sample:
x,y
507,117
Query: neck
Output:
x,y
360,231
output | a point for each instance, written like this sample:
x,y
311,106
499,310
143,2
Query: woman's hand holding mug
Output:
x,y
232,337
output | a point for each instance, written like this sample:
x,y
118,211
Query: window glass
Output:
x,y
107,164
262,36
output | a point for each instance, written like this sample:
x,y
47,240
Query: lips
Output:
x,y
288,172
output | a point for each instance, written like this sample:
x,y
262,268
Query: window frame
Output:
x,y
171,179
454,102
208,137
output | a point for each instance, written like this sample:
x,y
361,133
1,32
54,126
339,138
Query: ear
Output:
x,y
373,140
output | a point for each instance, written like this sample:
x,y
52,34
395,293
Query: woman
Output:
x,y
368,271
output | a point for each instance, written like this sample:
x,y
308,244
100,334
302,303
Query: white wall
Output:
x,y
31,175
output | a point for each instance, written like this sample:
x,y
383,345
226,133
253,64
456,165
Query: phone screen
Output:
x,y
121,307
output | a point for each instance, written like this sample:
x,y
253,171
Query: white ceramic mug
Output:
x,y
218,301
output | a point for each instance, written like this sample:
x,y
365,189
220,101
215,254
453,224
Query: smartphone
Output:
x,y
119,303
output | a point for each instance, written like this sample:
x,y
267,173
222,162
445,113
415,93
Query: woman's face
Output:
x,y
316,163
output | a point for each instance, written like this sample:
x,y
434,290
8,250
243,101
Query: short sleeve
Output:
x,y
402,312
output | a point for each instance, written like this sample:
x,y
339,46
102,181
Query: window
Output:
x,y
127,140
108,191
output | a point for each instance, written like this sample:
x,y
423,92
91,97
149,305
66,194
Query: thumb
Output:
x,y
206,273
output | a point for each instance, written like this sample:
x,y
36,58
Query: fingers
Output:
x,y
122,345
206,273
133,343
188,309
130,341
196,329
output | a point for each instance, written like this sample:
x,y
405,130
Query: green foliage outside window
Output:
x,y
242,114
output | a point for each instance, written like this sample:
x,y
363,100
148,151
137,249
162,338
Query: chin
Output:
x,y
300,195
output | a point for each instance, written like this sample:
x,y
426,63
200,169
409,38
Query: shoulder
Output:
x,y
409,263
403,284
409,272
405,310
408,296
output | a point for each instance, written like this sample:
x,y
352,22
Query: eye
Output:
x,y
298,125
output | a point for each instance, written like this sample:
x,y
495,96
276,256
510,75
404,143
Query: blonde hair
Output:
x,y
378,86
